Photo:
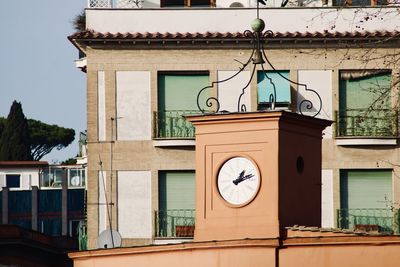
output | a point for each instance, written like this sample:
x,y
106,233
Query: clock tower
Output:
x,y
256,173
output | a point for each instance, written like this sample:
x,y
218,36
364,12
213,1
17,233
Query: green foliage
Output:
x,y
79,22
2,124
46,137
19,136
15,139
70,161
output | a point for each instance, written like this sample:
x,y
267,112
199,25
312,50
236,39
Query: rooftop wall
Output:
x,y
239,19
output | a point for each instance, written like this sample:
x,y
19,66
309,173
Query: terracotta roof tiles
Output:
x,y
90,34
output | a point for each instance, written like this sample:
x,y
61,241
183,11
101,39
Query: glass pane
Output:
x,y
13,180
74,178
266,82
57,178
83,177
45,178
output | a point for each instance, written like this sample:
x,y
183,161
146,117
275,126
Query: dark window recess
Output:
x,y
172,3
183,3
359,2
13,180
200,3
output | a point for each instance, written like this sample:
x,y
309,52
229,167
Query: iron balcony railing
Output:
x,y
172,124
375,220
115,3
366,123
82,237
174,223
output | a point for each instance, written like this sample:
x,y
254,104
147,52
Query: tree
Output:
x,y
15,139
16,132
79,22
46,137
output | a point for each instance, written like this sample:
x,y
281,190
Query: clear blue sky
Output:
x,y
37,65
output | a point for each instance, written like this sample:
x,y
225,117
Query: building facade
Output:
x,y
146,66
46,198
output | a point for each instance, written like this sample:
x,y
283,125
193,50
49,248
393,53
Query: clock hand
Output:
x,y
242,177
248,176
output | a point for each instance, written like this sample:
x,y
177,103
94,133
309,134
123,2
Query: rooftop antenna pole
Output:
x,y
113,120
105,197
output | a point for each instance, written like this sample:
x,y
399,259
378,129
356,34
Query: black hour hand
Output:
x,y
242,177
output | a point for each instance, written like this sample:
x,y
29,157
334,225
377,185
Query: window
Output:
x,y
76,178
187,3
364,104
13,180
177,95
74,227
366,199
176,202
51,177
265,84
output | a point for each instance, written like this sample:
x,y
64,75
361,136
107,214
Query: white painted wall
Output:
x,y
134,204
101,105
327,219
102,182
133,105
229,91
214,19
28,177
156,3
321,82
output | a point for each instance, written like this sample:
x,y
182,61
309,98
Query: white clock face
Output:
x,y
238,181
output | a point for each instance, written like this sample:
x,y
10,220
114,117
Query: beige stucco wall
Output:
x,y
144,156
346,255
293,252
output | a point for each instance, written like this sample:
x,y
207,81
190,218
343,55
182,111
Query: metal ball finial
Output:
x,y
258,25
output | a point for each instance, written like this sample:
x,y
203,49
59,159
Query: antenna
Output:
x,y
109,239
108,210
113,120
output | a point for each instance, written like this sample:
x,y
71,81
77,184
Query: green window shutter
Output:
x,y
179,91
265,82
176,190
365,189
359,90
364,104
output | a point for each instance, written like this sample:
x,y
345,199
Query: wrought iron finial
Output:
x,y
258,57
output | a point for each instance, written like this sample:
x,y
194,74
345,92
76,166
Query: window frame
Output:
x,y
354,114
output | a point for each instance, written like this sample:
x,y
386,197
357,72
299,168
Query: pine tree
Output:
x,y
15,141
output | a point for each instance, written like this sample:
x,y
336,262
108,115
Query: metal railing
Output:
x,y
82,237
115,3
366,123
174,223
377,220
172,124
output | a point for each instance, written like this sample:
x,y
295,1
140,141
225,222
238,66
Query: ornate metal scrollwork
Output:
x,y
259,57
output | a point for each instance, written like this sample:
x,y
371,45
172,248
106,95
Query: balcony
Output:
x,y
366,124
369,220
173,125
174,224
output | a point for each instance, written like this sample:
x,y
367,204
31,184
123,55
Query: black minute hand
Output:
x,y
242,177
